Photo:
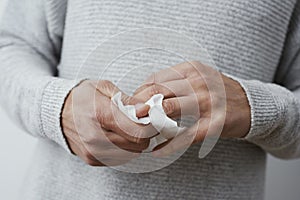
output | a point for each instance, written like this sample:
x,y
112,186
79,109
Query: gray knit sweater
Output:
x,y
257,42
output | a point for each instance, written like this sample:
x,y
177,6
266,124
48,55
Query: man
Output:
x,y
254,43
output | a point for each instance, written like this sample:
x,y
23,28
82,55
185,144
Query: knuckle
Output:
x,y
105,83
107,87
153,90
104,119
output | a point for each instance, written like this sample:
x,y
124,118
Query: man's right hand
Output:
x,y
97,131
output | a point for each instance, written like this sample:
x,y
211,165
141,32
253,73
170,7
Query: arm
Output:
x,y
276,109
265,114
30,43
42,104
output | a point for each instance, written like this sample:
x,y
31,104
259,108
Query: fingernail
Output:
x,y
141,109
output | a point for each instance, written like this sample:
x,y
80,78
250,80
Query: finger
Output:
x,y
109,90
176,72
181,142
125,144
89,159
169,89
182,106
142,110
144,93
106,88
112,119
133,132
105,154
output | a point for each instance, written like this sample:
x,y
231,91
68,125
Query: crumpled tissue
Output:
x,y
166,126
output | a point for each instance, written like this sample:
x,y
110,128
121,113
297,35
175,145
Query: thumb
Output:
x,y
141,108
108,89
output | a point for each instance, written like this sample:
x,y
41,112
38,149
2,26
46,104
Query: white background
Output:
x,y
16,150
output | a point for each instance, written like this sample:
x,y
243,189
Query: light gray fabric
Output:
x,y
256,42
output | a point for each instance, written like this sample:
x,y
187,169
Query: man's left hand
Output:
x,y
194,89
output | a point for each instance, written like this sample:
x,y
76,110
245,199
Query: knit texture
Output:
x,y
44,44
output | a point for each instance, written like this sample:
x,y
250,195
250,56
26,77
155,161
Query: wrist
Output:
x,y
238,111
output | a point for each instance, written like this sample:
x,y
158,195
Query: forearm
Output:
x,y
30,91
275,118
275,109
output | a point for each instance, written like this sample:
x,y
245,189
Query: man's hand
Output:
x,y
193,89
97,131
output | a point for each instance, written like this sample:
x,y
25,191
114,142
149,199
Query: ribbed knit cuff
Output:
x,y
51,109
264,111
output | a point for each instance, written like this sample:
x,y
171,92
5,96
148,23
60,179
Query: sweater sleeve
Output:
x,y
275,107
30,46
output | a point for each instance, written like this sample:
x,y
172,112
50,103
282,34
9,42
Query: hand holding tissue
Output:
x,y
166,127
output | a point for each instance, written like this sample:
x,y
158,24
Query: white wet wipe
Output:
x,y
166,126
